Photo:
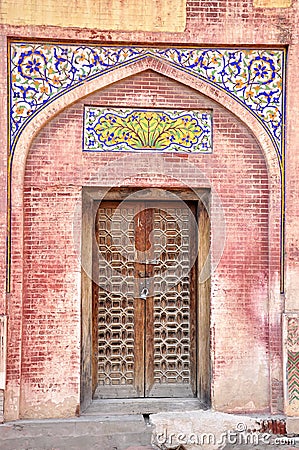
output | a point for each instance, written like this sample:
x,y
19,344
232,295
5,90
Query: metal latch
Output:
x,y
144,293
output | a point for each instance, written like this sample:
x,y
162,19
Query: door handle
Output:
x,y
144,294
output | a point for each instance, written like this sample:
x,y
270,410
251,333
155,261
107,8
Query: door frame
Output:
x,y
91,197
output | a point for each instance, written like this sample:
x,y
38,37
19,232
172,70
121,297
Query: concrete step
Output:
x,y
100,433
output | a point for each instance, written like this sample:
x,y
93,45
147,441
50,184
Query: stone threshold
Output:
x,y
142,406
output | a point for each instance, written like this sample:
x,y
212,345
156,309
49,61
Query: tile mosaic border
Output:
x,y
291,362
40,72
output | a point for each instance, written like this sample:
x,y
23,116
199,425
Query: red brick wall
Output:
x,y
239,20
3,174
55,172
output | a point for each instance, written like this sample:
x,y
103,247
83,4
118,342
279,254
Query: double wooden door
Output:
x,y
145,301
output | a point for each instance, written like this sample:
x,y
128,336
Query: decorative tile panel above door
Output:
x,y
116,129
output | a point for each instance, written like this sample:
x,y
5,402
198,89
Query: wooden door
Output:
x,y
146,295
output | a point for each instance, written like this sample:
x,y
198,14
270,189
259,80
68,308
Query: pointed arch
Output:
x,y
72,95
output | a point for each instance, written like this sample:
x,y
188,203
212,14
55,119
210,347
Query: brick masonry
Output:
x,y
248,292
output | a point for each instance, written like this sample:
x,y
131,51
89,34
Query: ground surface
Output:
x,y
168,430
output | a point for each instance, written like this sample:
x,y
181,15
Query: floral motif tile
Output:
x,y
147,130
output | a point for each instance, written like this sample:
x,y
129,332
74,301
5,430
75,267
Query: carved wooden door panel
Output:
x,y
146,297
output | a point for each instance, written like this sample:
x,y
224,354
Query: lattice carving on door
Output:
x,y
115,237
146,343
172,308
